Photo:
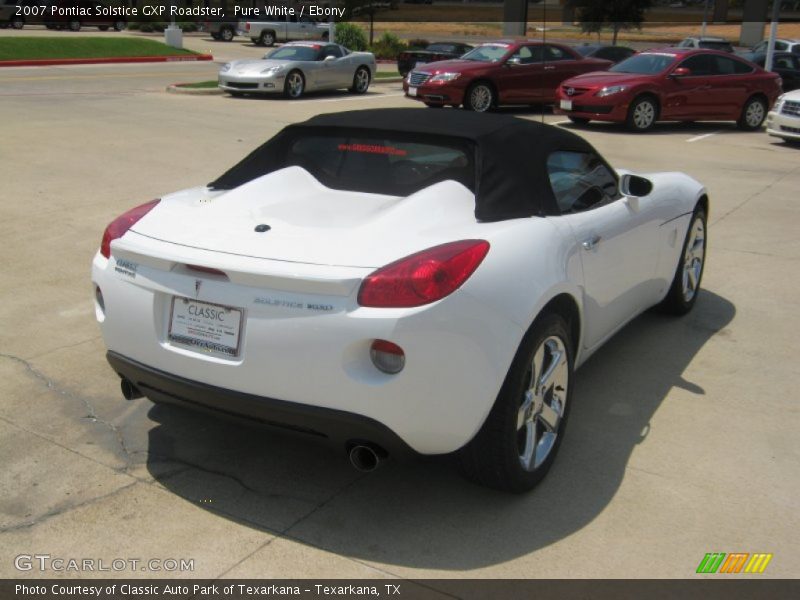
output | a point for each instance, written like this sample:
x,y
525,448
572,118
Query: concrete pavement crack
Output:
x,y
755,195
91,413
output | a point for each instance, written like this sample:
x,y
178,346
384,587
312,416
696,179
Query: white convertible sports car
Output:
x,y
398,281
299,67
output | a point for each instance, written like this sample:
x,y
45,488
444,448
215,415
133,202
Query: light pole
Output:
x,y
773,32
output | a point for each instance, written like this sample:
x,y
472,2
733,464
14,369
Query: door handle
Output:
x,y
591,243
549,68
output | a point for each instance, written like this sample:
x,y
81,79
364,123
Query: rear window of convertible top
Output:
x,y
382,164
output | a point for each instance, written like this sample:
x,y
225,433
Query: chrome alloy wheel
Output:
x,y
362,80
543,403
480,98
693,259
754,115
295,84
644,114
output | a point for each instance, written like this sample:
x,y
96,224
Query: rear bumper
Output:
x,y
334,426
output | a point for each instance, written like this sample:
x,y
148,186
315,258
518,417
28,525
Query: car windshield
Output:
x,y
381,164
295,53
487,53
585,50
646,63
441,48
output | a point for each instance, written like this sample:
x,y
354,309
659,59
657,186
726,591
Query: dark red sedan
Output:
x,y
672,84
505,72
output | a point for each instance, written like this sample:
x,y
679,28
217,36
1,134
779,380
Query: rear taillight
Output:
x,y
118,227
423,277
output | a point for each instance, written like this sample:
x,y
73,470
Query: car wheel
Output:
x,y
120,25
215,36
361,81
686,284
295,85
578,120
267,38
226,34
74,25
17,23
518,442
103,27
480,97
325,36
642,114
753,114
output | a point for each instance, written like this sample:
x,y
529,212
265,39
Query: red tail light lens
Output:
x,y
118,227
423,277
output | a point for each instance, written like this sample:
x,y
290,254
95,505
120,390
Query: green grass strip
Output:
x,y
41,48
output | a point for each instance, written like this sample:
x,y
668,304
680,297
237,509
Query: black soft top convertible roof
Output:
x,y
510,157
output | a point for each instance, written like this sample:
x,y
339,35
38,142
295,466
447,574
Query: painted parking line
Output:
x,y
697,138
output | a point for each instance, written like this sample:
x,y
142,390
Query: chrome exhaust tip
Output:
x,y
129,391
366,458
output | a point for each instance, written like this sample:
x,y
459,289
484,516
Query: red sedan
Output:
x,y
672,84
507,72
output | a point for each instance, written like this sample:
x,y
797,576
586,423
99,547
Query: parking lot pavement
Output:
x,y
682,440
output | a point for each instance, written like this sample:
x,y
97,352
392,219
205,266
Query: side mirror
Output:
x,y
681,72
633,185
329,58
514,61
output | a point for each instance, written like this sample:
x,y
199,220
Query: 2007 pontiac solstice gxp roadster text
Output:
x,y
398,281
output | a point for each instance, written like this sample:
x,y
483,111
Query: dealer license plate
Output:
x,y
412,91
205,327
566,105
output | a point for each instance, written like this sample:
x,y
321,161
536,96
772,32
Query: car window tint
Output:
x,y
781,46
381,165
783,62
580,180
332,50
442,48
556,53
528,54
796,49
701,64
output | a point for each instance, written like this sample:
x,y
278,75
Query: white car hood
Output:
x,y
311,223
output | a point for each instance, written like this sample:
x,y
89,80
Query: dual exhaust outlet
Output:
x,y
364,456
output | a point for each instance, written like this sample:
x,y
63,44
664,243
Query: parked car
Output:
x,y
785,64
222,29
90,16
398,282
299,67
18,13
707,43
409,59
672,84
781,45
292,27
613,53
783,121
505,72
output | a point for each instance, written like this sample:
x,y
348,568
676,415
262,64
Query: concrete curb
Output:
x,y
176,88
48,62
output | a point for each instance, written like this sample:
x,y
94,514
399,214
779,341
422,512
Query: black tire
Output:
x,y
480,97
677,302
578,120
325,36
237,94
74,25
103,27
429,105
215,36
120,25
288,90
639,122
361,80
267,38
753,114
226,34
493,458
17,22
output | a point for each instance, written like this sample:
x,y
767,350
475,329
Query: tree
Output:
x,y
367,8
619,14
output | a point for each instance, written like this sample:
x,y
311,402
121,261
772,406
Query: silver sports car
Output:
x,y
298,67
